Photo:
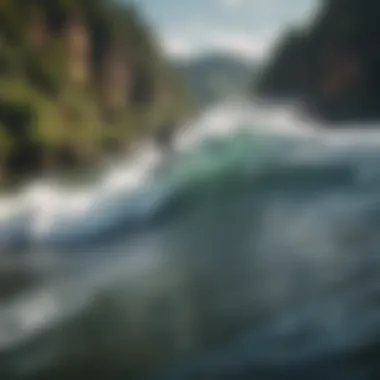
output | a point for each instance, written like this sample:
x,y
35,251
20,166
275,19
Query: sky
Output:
x,y
247,28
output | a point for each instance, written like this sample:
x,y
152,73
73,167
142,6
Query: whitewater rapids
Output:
x,y
251,252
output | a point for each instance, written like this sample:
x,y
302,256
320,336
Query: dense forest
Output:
x,y
332,65
78,79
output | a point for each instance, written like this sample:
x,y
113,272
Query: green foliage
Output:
x,y
42,106
6,141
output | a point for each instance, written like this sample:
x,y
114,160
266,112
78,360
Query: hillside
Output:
x,y
78,79
332,65
215,76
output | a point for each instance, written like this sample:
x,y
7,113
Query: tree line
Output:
x,y
79,79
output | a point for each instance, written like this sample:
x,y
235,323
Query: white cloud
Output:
x,y
244,45
177,46
233,3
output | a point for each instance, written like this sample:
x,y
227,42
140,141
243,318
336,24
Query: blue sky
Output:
x,y
247,28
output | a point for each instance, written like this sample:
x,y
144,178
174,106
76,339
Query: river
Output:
x,y
249,252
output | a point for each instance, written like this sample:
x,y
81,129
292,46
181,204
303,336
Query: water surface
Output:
x,y
251,252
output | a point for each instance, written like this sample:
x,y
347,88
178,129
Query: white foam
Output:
x,y
44,209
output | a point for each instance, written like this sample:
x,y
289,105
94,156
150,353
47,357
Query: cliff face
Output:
x,y
333,65
76,77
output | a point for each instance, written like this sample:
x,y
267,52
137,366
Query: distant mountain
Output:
x,y
216,76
